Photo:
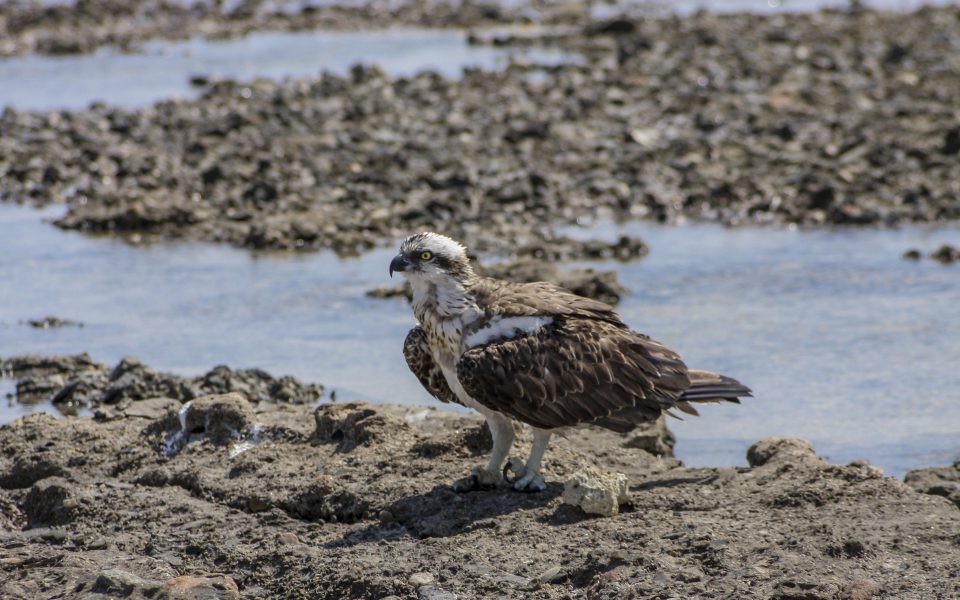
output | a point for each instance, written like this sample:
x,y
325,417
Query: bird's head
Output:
x,y
431,257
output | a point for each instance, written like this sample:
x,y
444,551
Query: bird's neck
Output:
x,y
442,298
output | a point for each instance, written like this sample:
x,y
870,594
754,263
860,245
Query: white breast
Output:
x,y
505,328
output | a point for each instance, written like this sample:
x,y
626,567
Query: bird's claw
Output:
x,y
516,465
478,479
525,481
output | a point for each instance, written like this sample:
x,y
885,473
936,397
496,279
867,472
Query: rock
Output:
x,y
77,381
862,589
222,418
51,501
51,322
354,424
118,582
596,492
34,365
551,575
912,254
326,499
391,291
939,481
27,470
778,451
562,248
655,438
421,578
369,518
288,538
946,254
233,166
210,587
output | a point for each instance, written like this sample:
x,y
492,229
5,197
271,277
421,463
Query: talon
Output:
x,y
516,465
478,479
532,482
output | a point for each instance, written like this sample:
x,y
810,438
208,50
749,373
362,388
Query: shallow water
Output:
x,y
162,71
843,342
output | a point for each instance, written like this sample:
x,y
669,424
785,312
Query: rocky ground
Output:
x,y
945,254
245,495
843,117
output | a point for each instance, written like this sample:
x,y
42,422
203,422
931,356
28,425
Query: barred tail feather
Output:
x,y
711,387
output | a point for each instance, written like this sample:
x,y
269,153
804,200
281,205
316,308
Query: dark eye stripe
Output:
x,y
443,262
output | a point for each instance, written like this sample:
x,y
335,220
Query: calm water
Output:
x,y
844,343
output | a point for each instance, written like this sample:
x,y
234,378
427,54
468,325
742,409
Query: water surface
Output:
x,y
843,342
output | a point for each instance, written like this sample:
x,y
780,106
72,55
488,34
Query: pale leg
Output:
x,y
530,479
501,429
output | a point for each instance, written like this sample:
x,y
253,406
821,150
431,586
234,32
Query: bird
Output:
x,y
538,354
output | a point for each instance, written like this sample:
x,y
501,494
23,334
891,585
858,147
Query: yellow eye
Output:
x,y
426,255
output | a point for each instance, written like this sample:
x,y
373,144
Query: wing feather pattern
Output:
x,y
581,368
416,350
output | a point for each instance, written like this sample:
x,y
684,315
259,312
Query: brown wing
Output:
x,y
575,370
508,298
420,360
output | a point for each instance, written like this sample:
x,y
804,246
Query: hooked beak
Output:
x,y
399,264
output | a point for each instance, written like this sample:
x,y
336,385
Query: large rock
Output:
x,y
222,418
777,451
939,481
596,492
355,424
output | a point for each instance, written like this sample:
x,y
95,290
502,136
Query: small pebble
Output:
x,y
422,578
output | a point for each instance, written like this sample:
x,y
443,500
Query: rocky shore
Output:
x,y
82,26
248,494
831,118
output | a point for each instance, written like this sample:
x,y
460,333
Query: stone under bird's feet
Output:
x,y
524,481
478,479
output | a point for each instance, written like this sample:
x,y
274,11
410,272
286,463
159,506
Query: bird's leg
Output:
x,y
529,478
501,428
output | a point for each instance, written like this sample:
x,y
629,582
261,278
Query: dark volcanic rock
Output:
x,y
52,322
75,381
946,254
354,424
221,418
939,481
51,501
293,516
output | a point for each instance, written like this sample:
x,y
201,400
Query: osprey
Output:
x,y
535,353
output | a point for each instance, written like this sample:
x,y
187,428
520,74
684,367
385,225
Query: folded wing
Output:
x,y
576,369
420,360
